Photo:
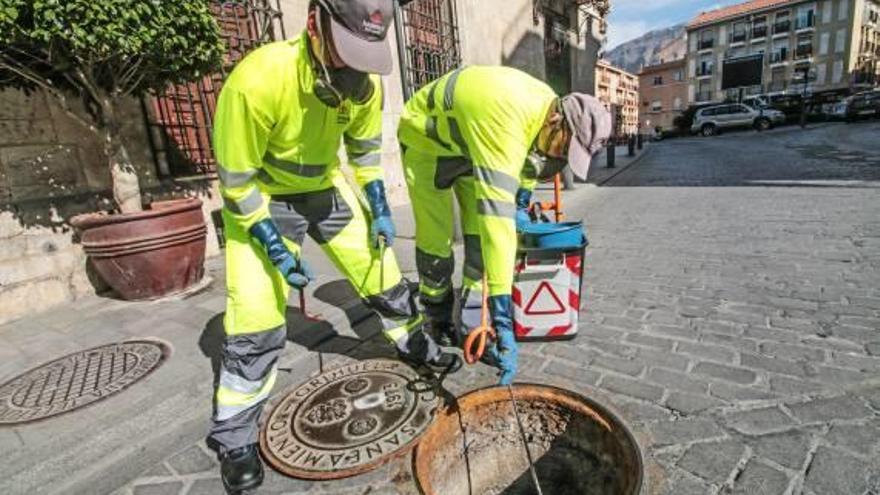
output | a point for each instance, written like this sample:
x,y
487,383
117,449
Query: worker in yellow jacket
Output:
x,y
280,119
484,135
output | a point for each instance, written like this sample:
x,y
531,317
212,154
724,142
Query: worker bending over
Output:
x,y
486,134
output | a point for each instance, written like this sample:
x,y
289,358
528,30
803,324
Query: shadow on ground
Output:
x,y
316,335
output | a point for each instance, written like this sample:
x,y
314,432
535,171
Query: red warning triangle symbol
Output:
x,y
541,304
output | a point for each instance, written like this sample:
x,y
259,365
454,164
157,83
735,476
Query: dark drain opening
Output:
x,y
578,446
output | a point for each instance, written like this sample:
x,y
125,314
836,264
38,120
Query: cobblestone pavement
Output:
x,y
732,319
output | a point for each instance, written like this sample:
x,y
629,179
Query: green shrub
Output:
x,y
102,51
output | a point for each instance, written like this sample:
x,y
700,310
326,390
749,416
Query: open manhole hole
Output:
x,y
348,420
77,380
577,445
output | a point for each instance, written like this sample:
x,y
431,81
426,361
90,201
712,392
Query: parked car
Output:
x,y
685,120
863,105
710,120
757,101
838,110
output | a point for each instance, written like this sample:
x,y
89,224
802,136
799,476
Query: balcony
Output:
x,y
803,52
737,37
804,23
702,96
704,71
705,44
759,32
864,77
782,27
778,57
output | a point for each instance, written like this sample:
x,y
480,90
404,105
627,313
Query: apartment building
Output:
x,y
619,91
663,93
835,42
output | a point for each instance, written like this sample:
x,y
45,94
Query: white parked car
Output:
x,y
709,121
758,101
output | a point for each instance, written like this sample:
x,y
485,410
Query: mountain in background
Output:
x,y
654,47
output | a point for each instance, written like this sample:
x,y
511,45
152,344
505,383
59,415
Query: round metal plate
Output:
x,y
77,380
348,420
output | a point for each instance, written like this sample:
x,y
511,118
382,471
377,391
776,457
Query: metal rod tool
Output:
x,y
522,435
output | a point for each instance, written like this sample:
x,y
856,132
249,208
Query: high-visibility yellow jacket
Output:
x,y
273,136
492,116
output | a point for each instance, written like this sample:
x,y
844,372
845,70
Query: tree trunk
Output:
x,y
126,188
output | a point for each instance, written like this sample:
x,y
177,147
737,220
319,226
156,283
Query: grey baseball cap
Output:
x,y
590,124
359,29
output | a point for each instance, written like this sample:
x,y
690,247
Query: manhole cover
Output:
x,y
348,420
77,380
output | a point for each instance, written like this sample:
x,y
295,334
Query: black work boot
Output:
x,y
443,333
438,321
241,469
420,346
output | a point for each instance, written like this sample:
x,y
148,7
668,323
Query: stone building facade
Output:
x,y
51,169
619,91
836,41
662,94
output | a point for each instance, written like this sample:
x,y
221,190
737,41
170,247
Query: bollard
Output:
x,y
631,145
640,141
609,152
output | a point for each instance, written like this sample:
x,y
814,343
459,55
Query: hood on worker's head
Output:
x,y
360,33
590,124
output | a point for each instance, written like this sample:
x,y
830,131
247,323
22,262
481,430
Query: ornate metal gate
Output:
x,y
428,41
180,118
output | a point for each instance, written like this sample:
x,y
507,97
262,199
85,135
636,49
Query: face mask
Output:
x,y
546,167
353,85
334,85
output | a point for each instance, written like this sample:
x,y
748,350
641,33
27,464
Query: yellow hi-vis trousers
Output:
x,y
432,182
256,305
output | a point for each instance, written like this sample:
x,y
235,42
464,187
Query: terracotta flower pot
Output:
x,y
148,254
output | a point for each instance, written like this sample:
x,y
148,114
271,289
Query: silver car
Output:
x,y
708,121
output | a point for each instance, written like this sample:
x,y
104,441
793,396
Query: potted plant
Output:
x,y
93,56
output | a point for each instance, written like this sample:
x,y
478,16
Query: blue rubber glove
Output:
x,y
295,271
523,199
505,351
382,224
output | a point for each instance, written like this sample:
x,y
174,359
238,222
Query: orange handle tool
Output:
x,y
482,333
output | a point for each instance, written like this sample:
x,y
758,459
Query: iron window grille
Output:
x,y
739,34
180,118
782,27
428,42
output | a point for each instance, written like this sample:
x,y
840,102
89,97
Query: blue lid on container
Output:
x,y
552,235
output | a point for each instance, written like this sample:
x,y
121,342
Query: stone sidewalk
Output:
x,y
599,171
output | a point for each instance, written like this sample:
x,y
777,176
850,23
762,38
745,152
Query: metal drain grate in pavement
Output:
x,y
77,380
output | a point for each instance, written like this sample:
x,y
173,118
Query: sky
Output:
x,y
632,18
